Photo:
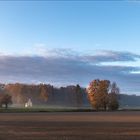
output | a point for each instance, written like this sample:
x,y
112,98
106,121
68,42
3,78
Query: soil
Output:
x,y
70,126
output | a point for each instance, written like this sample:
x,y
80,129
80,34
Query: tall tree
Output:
x,y
103,93
113,97
92,91
100,93
44,92
79,96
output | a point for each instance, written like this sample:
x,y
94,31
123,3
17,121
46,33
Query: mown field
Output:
x,y
70,126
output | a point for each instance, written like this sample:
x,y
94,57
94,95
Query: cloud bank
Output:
x,y
62,67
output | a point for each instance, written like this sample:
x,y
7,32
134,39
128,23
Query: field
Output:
x,y
122,125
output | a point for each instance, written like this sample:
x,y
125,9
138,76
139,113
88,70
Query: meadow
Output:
x,y
122,125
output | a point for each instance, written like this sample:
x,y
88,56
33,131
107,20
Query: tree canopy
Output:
x,y
103,95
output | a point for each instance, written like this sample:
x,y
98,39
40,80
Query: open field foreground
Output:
x,y
70,126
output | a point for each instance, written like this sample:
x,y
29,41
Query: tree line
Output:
x,y
44,94
101,94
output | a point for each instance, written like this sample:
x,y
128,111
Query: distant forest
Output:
x,y
45,94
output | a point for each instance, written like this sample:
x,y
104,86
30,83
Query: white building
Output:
x,y
28,103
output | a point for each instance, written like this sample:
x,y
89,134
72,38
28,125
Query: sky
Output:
x,y
70,42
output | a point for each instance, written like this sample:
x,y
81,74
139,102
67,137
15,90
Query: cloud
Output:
x,y
41,49
68,67
99,56
112,56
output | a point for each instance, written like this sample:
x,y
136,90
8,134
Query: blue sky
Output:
x,y
52,41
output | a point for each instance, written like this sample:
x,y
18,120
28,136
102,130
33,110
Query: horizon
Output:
x,y
70,42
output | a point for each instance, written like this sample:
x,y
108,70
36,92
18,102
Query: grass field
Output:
x,y
70,126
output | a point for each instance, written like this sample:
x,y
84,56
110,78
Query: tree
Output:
x,y
92,90
113,103
44,92
5,99
79,97
97,93
102,94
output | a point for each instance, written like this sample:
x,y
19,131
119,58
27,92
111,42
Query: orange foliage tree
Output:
x,y
101,95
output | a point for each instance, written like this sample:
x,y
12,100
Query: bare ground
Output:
x,y
70,126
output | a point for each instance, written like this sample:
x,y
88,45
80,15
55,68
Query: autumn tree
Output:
x,y
92,91
101,94
5,99
44,92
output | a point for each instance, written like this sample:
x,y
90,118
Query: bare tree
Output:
x,y
113,97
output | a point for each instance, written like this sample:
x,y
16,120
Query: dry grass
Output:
x,y
70,126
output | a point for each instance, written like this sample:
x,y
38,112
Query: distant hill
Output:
x,y
129,101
